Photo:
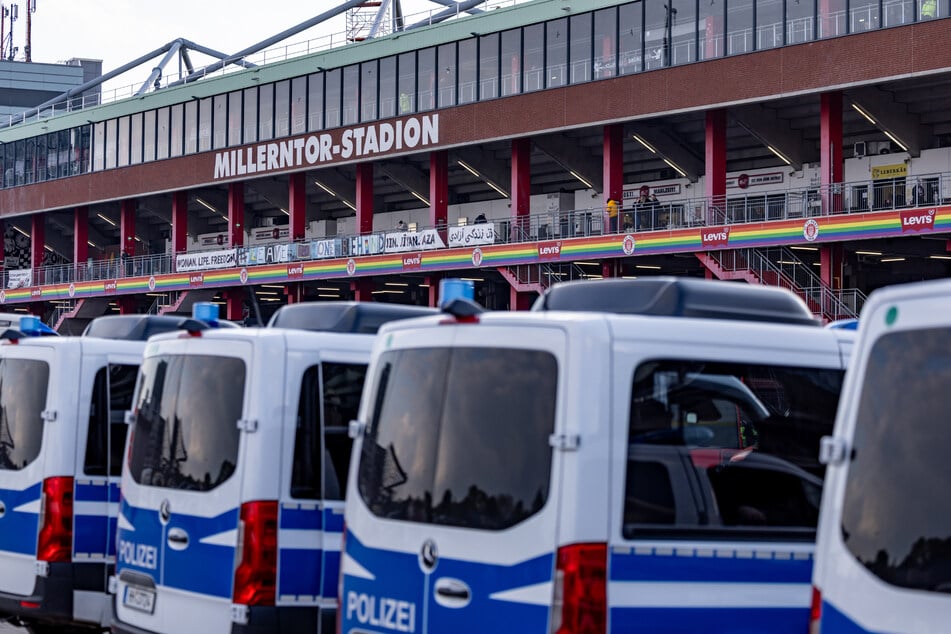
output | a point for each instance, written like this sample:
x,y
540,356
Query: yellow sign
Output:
x,y
890,171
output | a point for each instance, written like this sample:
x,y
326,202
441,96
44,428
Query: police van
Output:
x,y
62,401
883,554
237,459
650,467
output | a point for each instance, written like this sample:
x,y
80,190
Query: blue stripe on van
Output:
x,y
95,534
709,620
304,519
835,622
333,520
686,565
331,572
18,529
215,574
300,572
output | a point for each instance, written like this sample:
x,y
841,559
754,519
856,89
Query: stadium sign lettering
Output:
x,y
356,142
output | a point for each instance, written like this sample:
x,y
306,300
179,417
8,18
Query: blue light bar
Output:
x,y
206,312
31,325
453,288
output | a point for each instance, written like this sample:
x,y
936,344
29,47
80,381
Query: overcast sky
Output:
x,y
120,31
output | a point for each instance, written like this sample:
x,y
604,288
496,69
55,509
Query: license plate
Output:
x,y
139,599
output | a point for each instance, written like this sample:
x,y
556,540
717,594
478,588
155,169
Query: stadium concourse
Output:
x,y
808,148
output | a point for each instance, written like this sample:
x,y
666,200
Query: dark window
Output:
x,y
282,109
630,38
266,112
387,87
579,53
896,519
556,53
148,136
332,99
122,158
533,50
204,124
327,456
235,118
186,434
735,444
162,133
511,56
315,102
406,83
82,148
23,385
605,43
220,122
489,66
250,118
712,16
368,90
176,130
446,66
111,397
298,105
351,94
440,416
426,73
468,67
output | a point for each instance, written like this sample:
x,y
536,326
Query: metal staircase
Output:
x,y
535,278
754,266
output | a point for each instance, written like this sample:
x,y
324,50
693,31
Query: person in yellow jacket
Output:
x,y
612,207
929,9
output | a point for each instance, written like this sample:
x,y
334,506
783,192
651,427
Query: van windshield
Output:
x,y
186,434
896,518
727,448
460,436
23,384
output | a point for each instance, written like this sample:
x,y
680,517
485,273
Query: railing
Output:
x,y
667,215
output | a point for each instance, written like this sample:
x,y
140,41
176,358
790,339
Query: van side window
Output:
x,y
105,441
728,448
460,436
186,412
23,385
325,461
896,520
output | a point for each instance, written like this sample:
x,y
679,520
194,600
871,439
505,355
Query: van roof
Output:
x,y
344,317
132,327
679,297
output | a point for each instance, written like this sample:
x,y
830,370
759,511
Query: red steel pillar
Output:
x,y
179,222
439,192
362,289
613,170
80,237
715,166
37,241
521,188
433,281
831,163
234,304
831,261
297,206
127,227
236,215
294,292
364,198
127,305
519,301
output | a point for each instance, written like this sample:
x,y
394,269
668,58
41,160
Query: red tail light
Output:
x,y
580,597
55,542
815,611
255,578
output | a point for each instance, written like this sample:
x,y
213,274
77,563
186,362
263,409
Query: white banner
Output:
x,y
20,278
413,241
208,260
469,235
263,235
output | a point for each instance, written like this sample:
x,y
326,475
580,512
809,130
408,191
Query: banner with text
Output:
x,y
19,278
470,235
186,262
398,242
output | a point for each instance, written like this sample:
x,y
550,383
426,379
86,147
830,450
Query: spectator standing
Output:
x,y
401,226
612,209
642,210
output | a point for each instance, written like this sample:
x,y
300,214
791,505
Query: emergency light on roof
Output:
x,y
29,326
457,297
844,324
679,297
206,312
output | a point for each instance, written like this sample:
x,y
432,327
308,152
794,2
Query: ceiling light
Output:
x,y
896,141
286,212
777,153
395,284
328,288
325,188
468,168
328,295
892,260
22,231
677,169
421,198
646,266
109,220
787,262
578,176
207,205
92,244
805,248
863,113
868,253
940,257
645,144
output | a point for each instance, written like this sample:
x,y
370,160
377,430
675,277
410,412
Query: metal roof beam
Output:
x,y
669,148
457,8
773,132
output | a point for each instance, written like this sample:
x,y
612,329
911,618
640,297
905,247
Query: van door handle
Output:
x,y
3,509
452,593
177,539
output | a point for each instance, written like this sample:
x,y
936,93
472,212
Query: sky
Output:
x,y
120,31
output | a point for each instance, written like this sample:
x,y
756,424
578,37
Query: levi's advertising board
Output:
x,y
917,220
715,237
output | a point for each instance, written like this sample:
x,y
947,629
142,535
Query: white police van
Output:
x,y
232,491
562,471
883,554
62,401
